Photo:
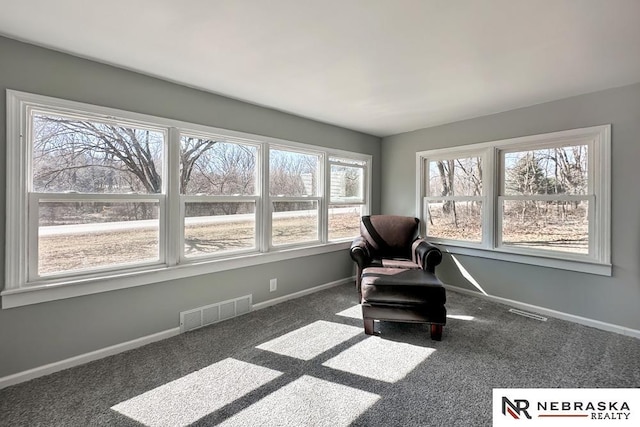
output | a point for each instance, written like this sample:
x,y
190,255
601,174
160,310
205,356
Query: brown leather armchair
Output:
x,y
392,241
396,274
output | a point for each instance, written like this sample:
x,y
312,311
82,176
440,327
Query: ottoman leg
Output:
x,y
436,332
368,326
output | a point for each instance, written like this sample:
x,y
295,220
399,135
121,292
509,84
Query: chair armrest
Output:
x,y
360,252
426,255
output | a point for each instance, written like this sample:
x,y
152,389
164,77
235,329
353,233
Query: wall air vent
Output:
x,y
214,313
527,314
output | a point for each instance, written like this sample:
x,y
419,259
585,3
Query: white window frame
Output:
x,y
35,198
342,162
19,289
255,198
318,198
363,202
426,198
598,139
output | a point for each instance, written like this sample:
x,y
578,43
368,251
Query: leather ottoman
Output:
x,y
401,295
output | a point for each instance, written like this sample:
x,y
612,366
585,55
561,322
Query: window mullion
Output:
x,y
266,203
173,212
325,193
490,188
82,206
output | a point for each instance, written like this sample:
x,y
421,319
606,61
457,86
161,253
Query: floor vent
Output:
x,y
527,314
214,313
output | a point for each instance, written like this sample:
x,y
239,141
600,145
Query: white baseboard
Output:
x,y
139,342
85,358
552,313
302,293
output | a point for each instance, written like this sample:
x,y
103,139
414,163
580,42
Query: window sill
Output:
x,y
540,261
39,293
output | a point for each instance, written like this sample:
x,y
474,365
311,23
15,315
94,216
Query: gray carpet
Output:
x,y
302,363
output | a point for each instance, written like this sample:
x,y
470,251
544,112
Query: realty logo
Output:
x,y
566,407
516,409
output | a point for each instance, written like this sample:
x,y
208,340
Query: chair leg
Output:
x,y
368,326
436,332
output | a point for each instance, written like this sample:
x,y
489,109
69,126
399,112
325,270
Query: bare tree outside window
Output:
x,y
454,206
220,218
545,204
539,199
294,176
217,167
98,160
104,161
95,157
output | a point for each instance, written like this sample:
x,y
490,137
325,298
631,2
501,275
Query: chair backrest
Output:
x,y
389,235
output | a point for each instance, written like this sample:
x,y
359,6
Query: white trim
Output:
x,y
598,259
81,359
609,327
540,140
16,195
74,288
302,293
139,342
22,288
173,220
499,255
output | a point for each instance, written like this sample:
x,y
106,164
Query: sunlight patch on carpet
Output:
x,y
187,399
307,401
460,317
312,340
380,359
354,312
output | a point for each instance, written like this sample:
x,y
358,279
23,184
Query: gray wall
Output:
x,y
35,335
608,299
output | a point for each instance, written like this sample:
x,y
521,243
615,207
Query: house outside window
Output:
x,y
347,198
294,196
541,199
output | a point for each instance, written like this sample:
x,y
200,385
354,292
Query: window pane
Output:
x,y
219,227
293,174
557,226
89,156
455,220
76,236
561,170
215,167
344,221
347,184
455,177
294,222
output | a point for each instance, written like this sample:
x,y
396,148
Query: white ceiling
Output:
x,y
377,66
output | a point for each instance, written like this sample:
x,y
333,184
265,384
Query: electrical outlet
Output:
x,y
273,285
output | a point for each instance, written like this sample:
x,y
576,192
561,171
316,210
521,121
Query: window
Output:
x,y
95,195
219,195
294,196
105,199
347,201
454,199
542,199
